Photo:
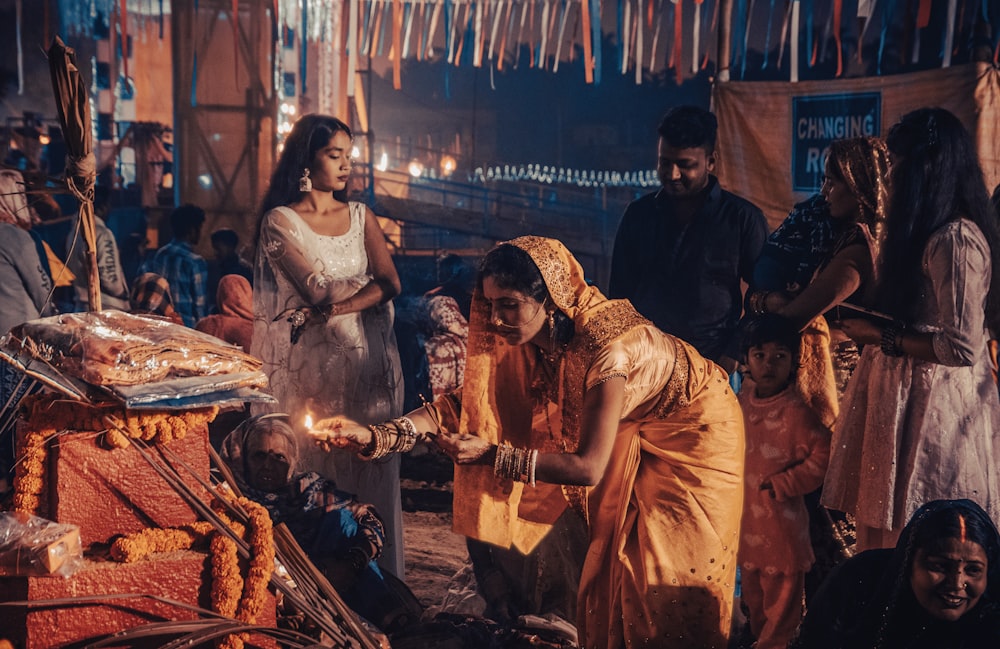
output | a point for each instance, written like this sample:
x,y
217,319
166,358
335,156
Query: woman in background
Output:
x,y
341,536
937,589
234,320
323,281
919,419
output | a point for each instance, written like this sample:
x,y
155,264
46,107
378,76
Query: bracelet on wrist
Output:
x,y
515,463
892,339
381,444
397,435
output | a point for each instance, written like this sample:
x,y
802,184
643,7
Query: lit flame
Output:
x,y
309,421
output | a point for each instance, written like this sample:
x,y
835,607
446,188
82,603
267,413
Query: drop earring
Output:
x,y
552,333
305,184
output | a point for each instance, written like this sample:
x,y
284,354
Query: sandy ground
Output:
x,y
433,554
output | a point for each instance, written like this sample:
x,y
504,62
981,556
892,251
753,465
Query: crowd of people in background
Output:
x,y
784,438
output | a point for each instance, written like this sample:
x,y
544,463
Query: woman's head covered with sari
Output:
x,y
542,268
500,378
944,568
234,297
262,453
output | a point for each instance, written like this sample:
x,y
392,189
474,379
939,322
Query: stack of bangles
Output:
x,y
516,463
892,339
398,435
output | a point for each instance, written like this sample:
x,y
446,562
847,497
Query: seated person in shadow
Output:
x,y
341,536
936,589
150,296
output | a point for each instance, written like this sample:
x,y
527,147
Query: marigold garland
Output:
x,y
232,596
227,582
46,414
28,475
138,546
53,411
261,561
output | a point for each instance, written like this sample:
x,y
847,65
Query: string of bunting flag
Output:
x,y
647,37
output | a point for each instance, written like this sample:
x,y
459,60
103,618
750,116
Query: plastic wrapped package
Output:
x,y
32,546
117,348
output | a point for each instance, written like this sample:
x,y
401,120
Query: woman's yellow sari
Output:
x,y
664,520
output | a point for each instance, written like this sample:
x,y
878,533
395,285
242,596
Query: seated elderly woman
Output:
x,y
936,590
342,536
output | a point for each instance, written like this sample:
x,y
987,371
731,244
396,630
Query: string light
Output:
x,y
549,175
448,165
286,119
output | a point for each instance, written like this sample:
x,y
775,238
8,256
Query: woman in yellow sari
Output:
x,y
609,415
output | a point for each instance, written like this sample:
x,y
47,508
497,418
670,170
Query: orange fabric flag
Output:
x,y
837,7
588,58
923,14
397,30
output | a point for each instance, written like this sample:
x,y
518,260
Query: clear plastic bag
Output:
x,y
33,546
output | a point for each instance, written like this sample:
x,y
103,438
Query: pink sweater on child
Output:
x,y
787,444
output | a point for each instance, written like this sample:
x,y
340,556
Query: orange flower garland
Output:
x,y
46,414
28,475
261,561
226,578
232,596
134,547
49,411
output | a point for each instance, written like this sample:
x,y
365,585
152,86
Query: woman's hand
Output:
x,y
463,449
863,332
340,432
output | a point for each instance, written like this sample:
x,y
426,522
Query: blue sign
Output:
x,y
818,121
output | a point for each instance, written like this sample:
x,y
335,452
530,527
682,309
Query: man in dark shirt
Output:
x,y
225,244
681,252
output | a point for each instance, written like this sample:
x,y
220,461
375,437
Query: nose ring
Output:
x,y
498,322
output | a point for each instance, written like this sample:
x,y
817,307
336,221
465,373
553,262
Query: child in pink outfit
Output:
x,y
787,450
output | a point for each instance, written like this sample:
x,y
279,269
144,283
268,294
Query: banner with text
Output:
x,y
773,135
818,121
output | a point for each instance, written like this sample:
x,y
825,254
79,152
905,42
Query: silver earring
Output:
x,y
305,184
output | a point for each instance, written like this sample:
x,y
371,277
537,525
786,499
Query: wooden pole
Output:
x,y
89,228
725,39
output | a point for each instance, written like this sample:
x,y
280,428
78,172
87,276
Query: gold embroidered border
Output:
x,y
674,394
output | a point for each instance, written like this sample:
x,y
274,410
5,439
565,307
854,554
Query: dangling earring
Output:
x,y
552,332
305,184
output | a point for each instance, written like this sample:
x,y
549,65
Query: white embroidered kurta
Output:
x,y
911,431
342,365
